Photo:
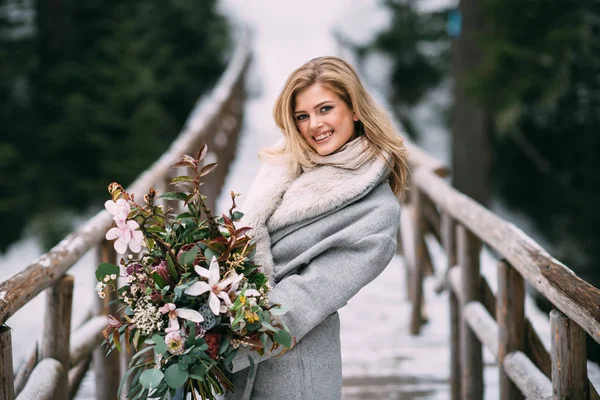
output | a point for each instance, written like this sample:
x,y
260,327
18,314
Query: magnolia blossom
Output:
x,y
175,312
118,209
174,342
215,286
126,233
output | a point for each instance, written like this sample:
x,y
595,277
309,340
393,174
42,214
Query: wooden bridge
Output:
x,y
434,212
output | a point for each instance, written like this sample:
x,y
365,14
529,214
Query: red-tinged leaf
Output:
x,y
190,159
232,242
242,230
227,220
219,240
127,337
114,321
182,164
207,169
202,152
117,339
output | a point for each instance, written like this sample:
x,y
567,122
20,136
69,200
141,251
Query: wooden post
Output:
x,y
106,367
569,361
417,273
57,330
448,230
510,314
7,390
469,247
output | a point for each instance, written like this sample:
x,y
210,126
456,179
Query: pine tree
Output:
x,y
111,87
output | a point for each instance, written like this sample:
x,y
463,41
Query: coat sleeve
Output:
x,y
325,285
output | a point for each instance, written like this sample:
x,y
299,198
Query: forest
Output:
x,y
93,93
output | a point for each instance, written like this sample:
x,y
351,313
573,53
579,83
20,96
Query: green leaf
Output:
x,y
171,268
106,269
278,311
209,254
138,355
236,216
151,378
264,339
158,280
125,377
175,376
252,368
184,215
192,333
189,256
174,196
160,347
268,326
182,178
283,338
224,344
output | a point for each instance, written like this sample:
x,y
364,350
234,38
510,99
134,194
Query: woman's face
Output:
x,y
324,119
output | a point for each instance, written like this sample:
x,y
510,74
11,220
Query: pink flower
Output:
x,y
175,312
215,286
126,233
174,342
118,209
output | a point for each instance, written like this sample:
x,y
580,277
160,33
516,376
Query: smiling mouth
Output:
x,y
323,136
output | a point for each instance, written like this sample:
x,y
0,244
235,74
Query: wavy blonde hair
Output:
x,y
338,76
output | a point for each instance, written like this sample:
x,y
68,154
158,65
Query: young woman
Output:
x,y
325,212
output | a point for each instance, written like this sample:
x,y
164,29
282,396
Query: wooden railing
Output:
x,y
498,321
65,356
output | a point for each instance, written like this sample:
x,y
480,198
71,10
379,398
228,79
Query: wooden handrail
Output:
x,y
575,297
18,290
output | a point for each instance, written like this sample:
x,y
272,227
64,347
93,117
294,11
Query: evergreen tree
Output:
x,y
16,51
111,89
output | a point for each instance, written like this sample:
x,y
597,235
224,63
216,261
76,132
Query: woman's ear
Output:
x,y
355,117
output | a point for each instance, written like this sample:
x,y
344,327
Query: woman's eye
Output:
x,y
301,117
326,108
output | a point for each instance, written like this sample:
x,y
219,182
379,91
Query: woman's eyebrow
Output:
x,y
315,107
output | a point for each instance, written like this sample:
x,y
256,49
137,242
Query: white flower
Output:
x,y
147,317
118,209
214,286
175,312
174,342
126,233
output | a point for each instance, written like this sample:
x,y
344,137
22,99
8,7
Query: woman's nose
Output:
x,y
316,123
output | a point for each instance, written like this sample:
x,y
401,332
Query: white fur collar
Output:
x,y
279,198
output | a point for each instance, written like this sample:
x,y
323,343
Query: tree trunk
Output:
x,y
471,155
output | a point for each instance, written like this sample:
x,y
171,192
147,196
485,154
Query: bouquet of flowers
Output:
x,y
191,298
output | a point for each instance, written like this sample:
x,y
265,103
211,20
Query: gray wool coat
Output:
x,y
321,236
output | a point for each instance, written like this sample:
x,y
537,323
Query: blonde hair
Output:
x,y
338,76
